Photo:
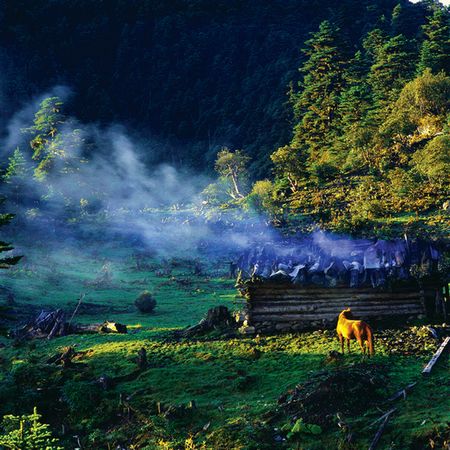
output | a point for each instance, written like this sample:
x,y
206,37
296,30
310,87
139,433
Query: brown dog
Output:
x,y
347,328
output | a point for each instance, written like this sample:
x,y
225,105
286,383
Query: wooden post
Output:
x,y
446,301
435,357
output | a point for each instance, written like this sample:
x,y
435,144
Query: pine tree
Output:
x,y
7,262
393,67
17,167
52,149
316,105
405,20
373,43
356,110
27,433
16,174
435,49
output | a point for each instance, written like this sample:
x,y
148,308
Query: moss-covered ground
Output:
x,y
222,390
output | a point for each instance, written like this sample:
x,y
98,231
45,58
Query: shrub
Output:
x,y
27,433
145,303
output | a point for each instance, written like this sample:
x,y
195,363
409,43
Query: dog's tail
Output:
x,y
370,340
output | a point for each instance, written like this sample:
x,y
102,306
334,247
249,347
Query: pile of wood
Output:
x,y
50,324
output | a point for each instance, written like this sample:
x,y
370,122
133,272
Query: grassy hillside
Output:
x,y
234,382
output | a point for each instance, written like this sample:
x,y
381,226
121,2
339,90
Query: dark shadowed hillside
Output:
x,y
196,74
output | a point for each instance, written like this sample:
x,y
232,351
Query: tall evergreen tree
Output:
x,y
356,110
406,19
17,167
435,49
373,43
53,146
393,67
316,105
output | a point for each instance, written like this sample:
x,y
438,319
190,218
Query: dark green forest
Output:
x,y
195,74
339,108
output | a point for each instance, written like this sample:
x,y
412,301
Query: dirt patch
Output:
x,y
349,390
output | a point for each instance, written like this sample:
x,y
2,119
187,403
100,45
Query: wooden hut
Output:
x,y
308,286
286,307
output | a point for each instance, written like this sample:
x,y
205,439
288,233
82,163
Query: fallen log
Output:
x,y
105,327
428,368
401,393
380,431
50,324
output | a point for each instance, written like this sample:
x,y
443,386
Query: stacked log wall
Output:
x,y
281,307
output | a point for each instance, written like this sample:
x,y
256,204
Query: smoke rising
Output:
x,y
101,178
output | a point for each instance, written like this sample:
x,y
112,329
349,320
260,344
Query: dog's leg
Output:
x,y
348,345
341,340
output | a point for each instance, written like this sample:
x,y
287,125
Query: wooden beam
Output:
x,y
334,309
436,356
290,294
331,299
312,317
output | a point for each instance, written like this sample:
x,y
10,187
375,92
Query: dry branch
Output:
x,y
436,356
380,431
401,392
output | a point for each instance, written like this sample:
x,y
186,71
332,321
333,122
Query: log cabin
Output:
x,y
305,285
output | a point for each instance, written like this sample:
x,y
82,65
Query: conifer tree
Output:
x,y
53,149
316,105
6,262
45,141
435,49
373,43
27,433
17,167
16,174
356,110
393,67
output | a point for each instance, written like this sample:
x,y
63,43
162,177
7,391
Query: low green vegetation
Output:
x,y
216,391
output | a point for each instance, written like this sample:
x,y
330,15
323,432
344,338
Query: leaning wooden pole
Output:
x,y
435,357
380,431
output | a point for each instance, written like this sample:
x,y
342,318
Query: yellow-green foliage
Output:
x,y
27,433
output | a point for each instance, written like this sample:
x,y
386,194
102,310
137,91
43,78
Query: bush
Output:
x,y
145,303
27,433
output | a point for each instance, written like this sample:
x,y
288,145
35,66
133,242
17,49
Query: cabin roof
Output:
x,y
332,261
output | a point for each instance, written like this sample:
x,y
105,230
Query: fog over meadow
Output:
x,y
107,178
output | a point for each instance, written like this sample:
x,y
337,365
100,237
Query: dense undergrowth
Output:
x,y
213,392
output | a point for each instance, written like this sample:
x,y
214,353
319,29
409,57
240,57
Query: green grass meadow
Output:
x,y
223,389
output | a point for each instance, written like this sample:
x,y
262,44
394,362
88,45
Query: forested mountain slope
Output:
x,y
196,74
